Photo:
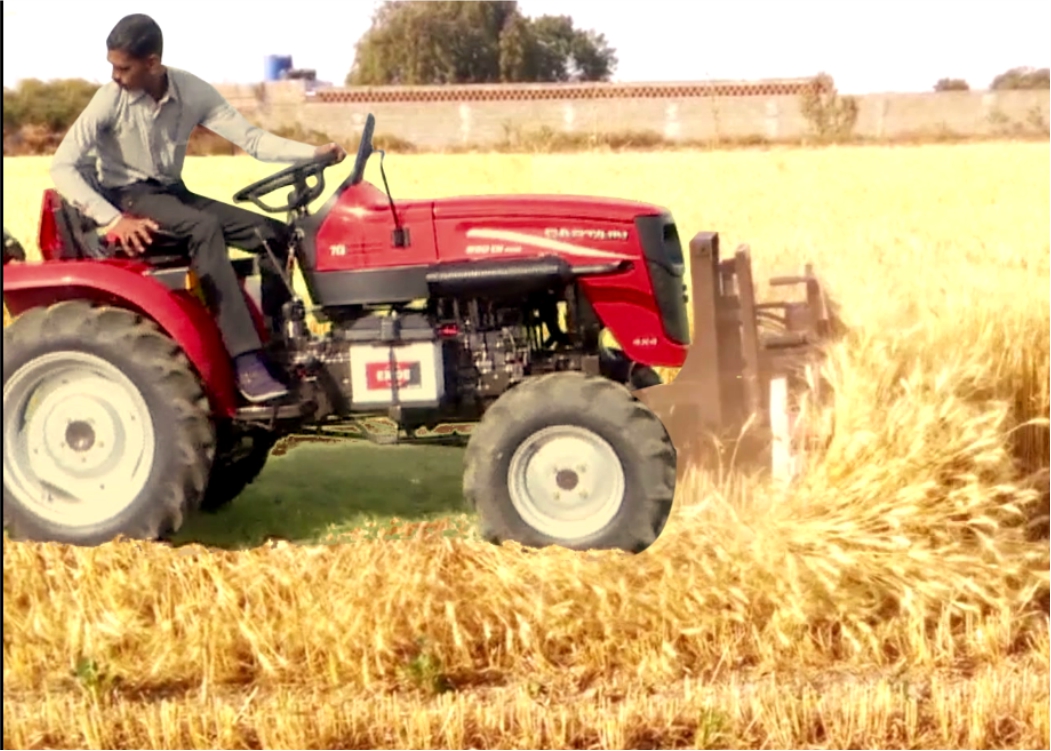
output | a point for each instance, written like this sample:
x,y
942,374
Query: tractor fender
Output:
x,y
180,315
626,309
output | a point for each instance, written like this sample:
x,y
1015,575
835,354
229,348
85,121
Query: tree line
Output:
x,y
408,43
1015,78
435,43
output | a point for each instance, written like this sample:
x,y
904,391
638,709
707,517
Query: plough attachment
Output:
x,y
748,363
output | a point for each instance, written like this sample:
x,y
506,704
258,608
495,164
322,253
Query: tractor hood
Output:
x,y
556,207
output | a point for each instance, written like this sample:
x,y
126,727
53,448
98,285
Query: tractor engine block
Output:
x,y
490,362
456,356
440,365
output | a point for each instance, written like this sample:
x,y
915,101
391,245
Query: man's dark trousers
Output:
x,y
212,226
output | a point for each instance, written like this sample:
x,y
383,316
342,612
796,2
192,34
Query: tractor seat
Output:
x,y
81,241
166,250
80,238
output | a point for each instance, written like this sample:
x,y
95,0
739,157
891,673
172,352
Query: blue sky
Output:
x,y
867,45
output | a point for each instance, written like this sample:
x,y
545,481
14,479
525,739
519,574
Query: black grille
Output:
x,y
660,243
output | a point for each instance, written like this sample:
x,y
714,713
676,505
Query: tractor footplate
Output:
x,y
268,414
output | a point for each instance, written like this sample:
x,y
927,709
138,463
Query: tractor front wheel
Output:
x,y
106,429
571,460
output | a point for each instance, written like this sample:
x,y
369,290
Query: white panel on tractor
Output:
x,y
421,375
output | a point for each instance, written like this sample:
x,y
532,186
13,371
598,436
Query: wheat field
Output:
x,y
895,597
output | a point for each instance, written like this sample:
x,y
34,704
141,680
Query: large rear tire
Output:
x,y
118,441
571,460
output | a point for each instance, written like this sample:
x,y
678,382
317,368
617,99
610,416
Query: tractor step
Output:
x,y
271,413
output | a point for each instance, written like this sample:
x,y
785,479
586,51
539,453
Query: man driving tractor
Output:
x,y
140,125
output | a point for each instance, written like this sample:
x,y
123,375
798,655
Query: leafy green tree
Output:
x,y
446,42
52,104
1022,78
951,84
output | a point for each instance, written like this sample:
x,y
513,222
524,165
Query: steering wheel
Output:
x,y
297,175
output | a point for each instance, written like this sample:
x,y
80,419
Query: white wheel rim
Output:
x,y
78,439
566,482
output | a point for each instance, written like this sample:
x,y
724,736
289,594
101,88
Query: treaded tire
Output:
x,y
184,435
229,478
638,438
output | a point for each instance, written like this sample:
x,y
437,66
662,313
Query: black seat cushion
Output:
x,y
81,239
165,251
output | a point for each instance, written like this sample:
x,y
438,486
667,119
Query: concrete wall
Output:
x,y
437,117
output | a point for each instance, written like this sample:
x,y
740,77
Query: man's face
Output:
x,y
132,74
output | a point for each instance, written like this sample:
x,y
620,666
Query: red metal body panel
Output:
x,y
124,283
356,234
631,316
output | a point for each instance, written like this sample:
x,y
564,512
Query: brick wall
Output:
x,y
436,117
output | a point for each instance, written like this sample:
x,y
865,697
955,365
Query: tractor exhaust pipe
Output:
x,y
739,381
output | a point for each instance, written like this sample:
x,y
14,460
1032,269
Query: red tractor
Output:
x,y
441,314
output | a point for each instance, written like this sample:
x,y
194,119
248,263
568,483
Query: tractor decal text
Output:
x,y
577,233
544,243
377,375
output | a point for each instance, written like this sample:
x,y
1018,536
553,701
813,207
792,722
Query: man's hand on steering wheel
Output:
x,y
337,151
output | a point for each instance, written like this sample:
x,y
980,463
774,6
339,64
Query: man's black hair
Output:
x,y
137,35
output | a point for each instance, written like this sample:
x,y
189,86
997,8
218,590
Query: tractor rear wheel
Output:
x,y
106,428
571,460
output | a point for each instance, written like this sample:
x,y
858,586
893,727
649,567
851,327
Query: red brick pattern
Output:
x,y
558,92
